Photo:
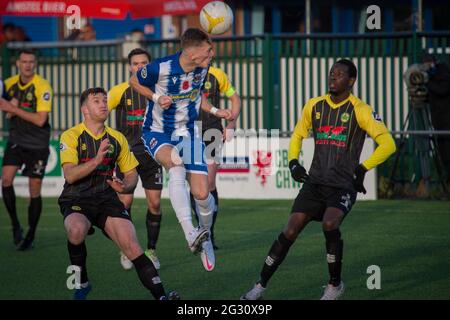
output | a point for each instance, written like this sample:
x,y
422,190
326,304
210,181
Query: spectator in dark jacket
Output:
x,y
439,99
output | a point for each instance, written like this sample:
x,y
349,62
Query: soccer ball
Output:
x,y
216,17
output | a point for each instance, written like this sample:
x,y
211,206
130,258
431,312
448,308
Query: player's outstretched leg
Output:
x,y
334,246
77,226
122,232
180,202
153,224
216,211
9,198
274,258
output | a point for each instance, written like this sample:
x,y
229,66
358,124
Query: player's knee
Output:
x,y
330,224
76,233
35,187
131,249
200,194
7,181
290,233
154,206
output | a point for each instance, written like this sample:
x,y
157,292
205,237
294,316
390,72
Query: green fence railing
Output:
x,y
274,74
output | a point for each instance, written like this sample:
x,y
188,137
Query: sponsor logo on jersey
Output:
x,y
331,135
194,94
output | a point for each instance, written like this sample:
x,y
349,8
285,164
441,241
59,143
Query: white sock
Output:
x,y
205,211
179,198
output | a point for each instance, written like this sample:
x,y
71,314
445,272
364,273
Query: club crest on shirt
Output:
x,y
29,96
317,115
208,85
144,72
345,117
197,78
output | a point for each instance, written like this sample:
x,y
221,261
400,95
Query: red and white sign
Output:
x,y
106,9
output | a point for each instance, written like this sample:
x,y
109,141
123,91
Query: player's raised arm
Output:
x,y
145,91
143,82
219,113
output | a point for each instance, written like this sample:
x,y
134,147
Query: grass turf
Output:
x,y
408,240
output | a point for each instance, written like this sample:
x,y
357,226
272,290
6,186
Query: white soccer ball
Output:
x,y
216,17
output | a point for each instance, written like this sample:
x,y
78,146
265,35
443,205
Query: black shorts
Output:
x,y
149,170
35,160
96,209
214,153
314,199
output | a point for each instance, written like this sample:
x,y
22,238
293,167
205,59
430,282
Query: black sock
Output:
x,y
194,208
276,255
216,202
78,255
34,213
153,223
149,276
9,198
335,246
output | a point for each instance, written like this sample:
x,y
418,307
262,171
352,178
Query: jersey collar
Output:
x,y
22,87
96,137
336,105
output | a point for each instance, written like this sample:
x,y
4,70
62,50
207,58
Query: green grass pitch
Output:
x,y
408,240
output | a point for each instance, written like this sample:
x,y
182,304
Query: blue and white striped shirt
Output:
x,y
165,76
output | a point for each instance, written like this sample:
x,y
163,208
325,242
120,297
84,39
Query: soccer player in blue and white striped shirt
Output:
x,y
173,85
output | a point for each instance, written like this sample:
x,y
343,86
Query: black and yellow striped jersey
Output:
x,y
216,82
130,111
35,96
339,131
78,145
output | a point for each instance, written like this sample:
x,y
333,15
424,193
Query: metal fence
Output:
x,y
274,74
